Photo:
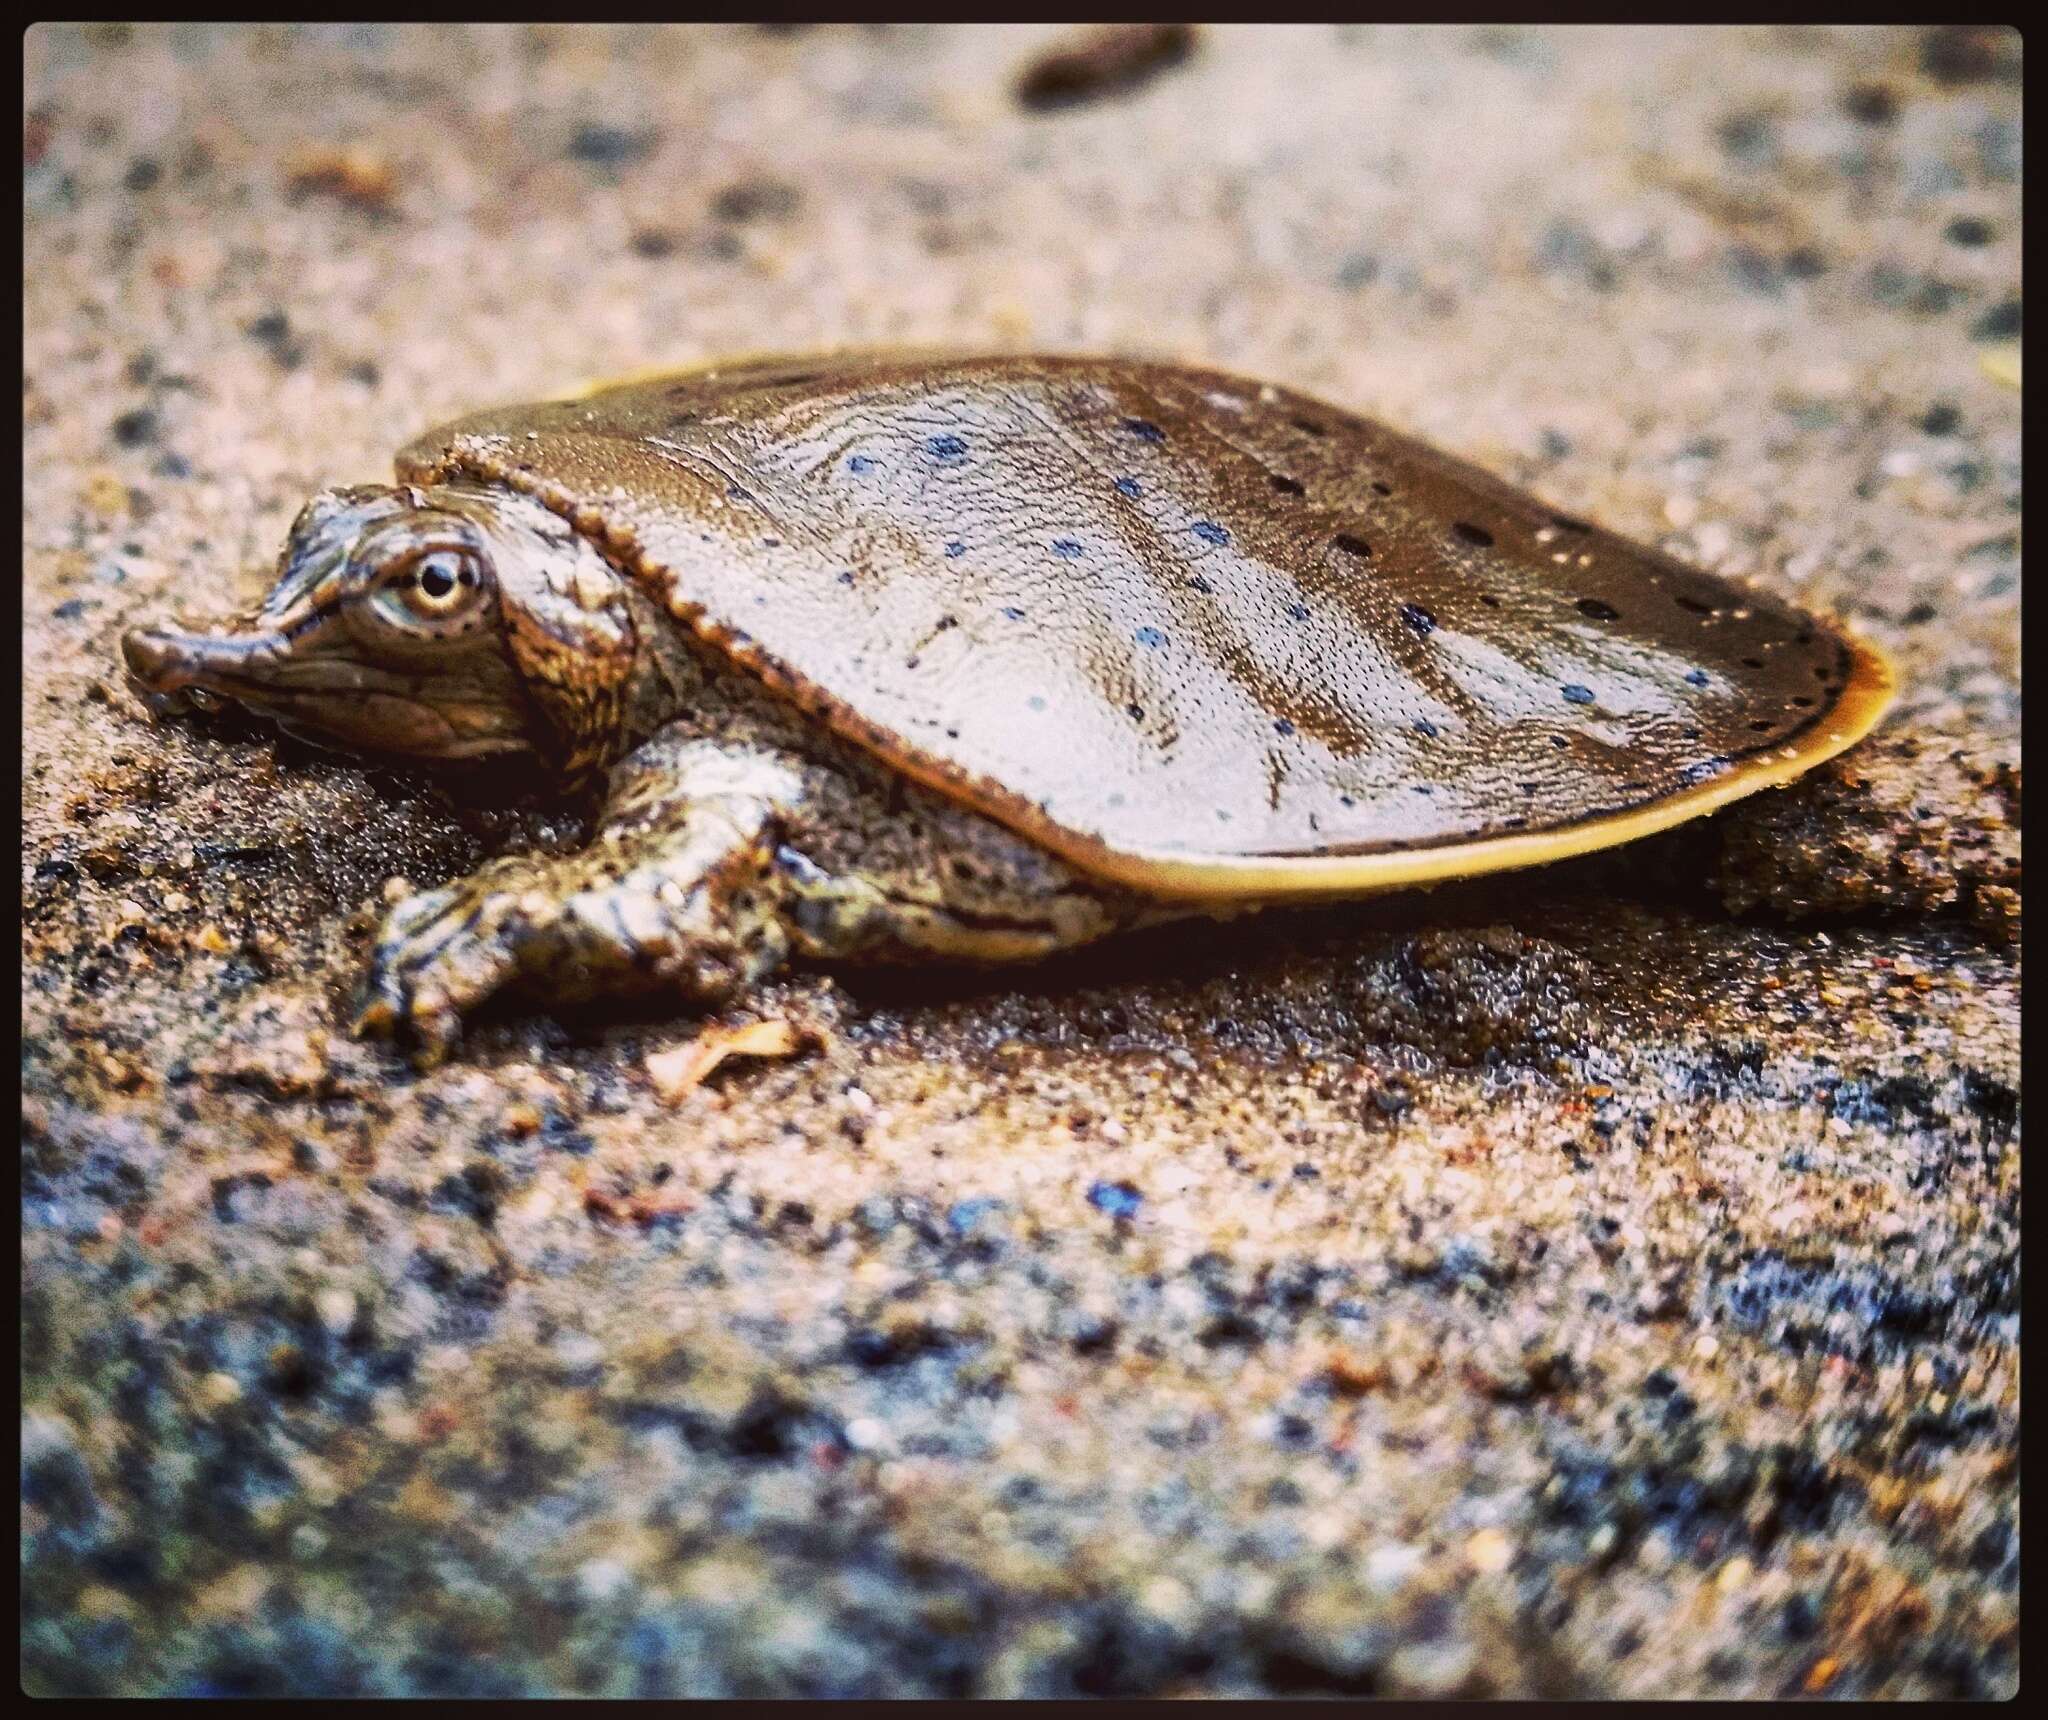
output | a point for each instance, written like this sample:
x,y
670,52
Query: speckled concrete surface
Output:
x,y
1605,1282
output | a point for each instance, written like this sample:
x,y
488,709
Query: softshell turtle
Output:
x,y
894,655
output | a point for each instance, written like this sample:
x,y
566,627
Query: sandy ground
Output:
x,y
1604,1282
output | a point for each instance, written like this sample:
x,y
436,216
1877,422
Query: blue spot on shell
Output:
x,y
955,550
1423,726
1281,726
1297,611
947,449
1118,1199
1210,532
1418,618
1036,702
1150,637
1013,614
1066,549
1197,583
1144,429
1697,677
1128,487
859,463
846,578
1576,694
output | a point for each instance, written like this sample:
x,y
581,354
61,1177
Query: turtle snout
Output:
x,y
154,659
166,668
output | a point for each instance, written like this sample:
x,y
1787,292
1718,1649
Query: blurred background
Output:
x,y
1576,1292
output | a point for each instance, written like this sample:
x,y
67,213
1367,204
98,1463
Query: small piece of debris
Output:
x,y
2001,363
1489,1551
680,1072
1103,61
356,177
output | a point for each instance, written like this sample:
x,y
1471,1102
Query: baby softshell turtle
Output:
x,y
898,656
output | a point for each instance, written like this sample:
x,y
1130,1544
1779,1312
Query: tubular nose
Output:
x,y
153,658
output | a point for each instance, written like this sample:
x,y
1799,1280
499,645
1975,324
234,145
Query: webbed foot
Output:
x,y
672,895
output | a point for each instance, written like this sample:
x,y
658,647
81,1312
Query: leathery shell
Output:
x,y
1205,636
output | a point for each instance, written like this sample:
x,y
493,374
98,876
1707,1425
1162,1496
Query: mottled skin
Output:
x,y
458,622
889,657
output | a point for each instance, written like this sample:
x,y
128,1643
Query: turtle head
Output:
x,y
444,623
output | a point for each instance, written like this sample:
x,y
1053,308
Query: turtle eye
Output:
x,y
439,585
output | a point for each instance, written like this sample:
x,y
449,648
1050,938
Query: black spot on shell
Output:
x,y
1692,606
1144,429
1762,727
1577,695
1489,600
1803,702
1307,426
1352,545
1594,610
1418,618
1477,536
1287,486
1297,611
1565,522
1381,488
1752,662
1137,713
1197,583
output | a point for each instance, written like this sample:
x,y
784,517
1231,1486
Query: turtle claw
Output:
x,y
438,955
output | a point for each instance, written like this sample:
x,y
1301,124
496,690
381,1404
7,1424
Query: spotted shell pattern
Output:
x,y
1177,625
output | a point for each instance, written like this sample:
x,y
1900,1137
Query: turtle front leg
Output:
x,y
669,895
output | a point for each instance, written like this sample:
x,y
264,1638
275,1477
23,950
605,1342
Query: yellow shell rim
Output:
x,y
1867,694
